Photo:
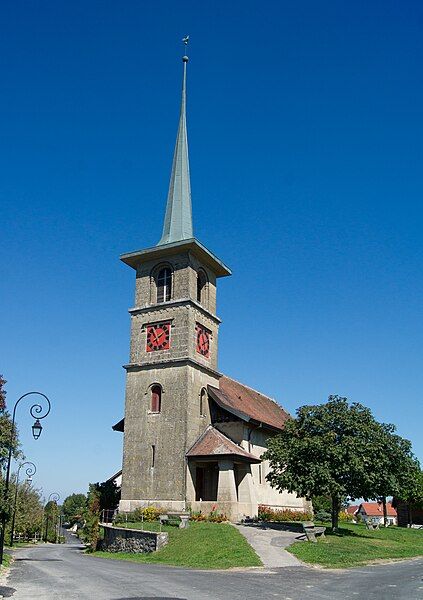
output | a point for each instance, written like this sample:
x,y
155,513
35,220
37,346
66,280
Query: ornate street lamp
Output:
x,y
37,429
30,471
37,412
54,497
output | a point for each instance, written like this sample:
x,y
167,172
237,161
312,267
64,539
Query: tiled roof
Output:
x,y
375,509
248,404
352,509
213,443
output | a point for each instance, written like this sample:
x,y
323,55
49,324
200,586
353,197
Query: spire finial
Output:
x,y
185,41
178,218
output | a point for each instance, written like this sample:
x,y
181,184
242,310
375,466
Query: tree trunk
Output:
x,y
335,512
385,513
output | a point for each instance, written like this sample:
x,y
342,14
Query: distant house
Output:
x,y
373,512
352,509
116,478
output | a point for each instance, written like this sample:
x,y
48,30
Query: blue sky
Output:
x,y
305,130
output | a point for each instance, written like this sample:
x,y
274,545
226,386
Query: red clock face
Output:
x,y
158,337
203,340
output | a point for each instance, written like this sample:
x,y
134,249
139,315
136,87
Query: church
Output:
x,y
193,437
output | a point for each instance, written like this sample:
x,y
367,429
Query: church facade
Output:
x,y
193,437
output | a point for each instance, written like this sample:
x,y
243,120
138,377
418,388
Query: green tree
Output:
x,y
91,530
328,449
29,509
6,429
411,489
393,465
51,520
109,495
73,507
6,434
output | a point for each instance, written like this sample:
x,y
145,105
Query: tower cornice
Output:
x,y
134,259
151,308
175,362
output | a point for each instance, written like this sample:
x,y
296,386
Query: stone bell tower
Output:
x,y
173,352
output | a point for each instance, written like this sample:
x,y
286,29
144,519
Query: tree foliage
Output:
x,y
51,521
74,507
334,449
109,495
7,436
91,531
6,430
29,514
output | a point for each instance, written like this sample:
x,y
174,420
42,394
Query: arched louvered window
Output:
x,y
201,286
156,399
164,285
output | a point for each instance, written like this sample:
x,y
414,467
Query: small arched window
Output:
x,y
164,285
203,402
201,286
156,399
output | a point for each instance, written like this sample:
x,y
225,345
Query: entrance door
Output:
x,y
206,480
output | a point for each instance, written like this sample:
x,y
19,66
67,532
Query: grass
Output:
x,y
354,545
7,559
201,546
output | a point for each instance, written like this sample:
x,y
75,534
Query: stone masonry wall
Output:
x,y
132,540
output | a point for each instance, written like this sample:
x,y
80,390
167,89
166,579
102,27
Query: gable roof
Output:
x,y
352,509
375,509
213,443
248,404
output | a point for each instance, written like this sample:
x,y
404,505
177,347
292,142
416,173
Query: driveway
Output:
x,y
64,572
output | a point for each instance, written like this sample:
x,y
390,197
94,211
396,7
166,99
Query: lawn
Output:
x,y
355,545
7,559
201,546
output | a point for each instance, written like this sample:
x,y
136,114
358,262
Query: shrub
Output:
x,y
322,515
268,514
212,517
346,517
198,516
148,513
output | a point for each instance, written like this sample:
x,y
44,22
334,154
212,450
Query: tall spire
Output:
x,y
178,218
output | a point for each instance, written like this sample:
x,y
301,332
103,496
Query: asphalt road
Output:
x,y
65,573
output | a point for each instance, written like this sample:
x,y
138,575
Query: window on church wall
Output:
x,y
203,402
153,456
164,285
156,399
201,286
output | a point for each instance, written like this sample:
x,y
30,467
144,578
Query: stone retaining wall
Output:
x,y
117,539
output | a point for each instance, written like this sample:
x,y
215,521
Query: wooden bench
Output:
x,y
311,532
175,518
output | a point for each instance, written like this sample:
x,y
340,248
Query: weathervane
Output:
x,y
185,41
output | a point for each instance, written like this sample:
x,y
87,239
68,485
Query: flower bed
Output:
x,y
281,515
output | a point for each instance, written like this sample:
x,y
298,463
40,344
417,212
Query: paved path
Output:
x,y
64,573
270,545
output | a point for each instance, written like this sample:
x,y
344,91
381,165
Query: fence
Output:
x,y
108,515
23,537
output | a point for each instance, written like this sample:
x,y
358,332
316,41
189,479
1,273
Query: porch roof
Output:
x,y
248,404
214,444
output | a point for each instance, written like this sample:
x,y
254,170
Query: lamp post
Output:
x,y
54,497
37,412
30,471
